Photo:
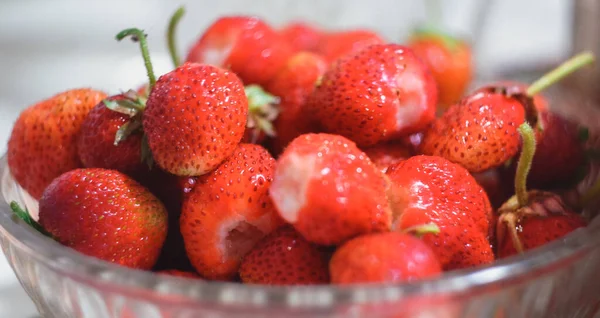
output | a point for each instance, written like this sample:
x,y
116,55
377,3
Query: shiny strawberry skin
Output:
x,y
386,154
301,36
381,93
43,142
383,258
284,257
96,146
293,84
123,222
428,189
246,45
335,45
329,190
195,116
479,133
228,211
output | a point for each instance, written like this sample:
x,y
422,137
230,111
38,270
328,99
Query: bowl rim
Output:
x,y
88,270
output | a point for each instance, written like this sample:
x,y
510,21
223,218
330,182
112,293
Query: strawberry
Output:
x,y
178,273
329,190
429,189
194,118
301,36
228,211
449,60
284,257
386,154
123,222
293,84
43,142
262,110
335,45
246,45
381,93
383,258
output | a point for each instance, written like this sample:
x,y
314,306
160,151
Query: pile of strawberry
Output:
x,y
300,156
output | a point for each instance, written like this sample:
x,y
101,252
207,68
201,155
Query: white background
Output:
x,y
50,46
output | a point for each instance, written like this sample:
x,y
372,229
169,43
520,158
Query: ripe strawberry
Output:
x,y
449,60
285,258
383,258
262,110
194,118
228,211
381,93
178,273
111,139
246,45
335,45
301,36
429,189
329,190
293,84
123,222
386,154
43,142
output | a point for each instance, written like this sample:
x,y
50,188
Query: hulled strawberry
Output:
x,y
532,218
195,116
387,154
43,142
246,45
284,257
293,84
335,45
329,190
301,36
383,92
429,189
383,258
480,132
449,60
123,222
228,211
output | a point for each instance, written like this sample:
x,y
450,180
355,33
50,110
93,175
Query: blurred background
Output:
x,y
50,46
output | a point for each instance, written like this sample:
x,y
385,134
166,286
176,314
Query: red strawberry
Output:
x,y
178,273
449,60
386,154
383,258
246,45
329,190
123,222
428,189
301,36
262,110
228,211
544,219
515,88
381,93
43,142
293,84
285,258
194,118
111,139
338,44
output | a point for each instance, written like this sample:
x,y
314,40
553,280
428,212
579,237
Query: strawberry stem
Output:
x,y
511,224
171,35
24,215
569,66
524,164
138,36
422,229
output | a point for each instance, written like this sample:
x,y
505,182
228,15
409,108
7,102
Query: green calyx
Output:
x,y
429,32
138,35
171,30
132,105
262,110
23,214
422,229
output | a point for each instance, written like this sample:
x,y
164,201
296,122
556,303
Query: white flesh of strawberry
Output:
x,y
410,108
290,184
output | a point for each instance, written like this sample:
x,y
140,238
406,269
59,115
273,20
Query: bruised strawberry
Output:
x,y
386,154
293,84
429,189
381,93
335,45
228,211
123,222
195,116
449,60
43,142
178,273
329,190
383,258
285,258
301,36
245,45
